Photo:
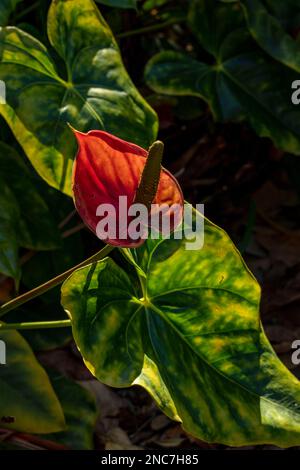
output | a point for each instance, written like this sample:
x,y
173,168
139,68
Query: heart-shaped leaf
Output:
x,y
241,83
26,393
195,320
97,92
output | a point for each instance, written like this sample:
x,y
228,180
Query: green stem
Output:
x,y
149,29
27,10
22,299
35,325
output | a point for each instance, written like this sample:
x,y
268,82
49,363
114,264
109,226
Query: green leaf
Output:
x,y
119,3
270,35
26,392
151,380
287,12
9,247
174,73
25,220
37,230
80,412
211,22
194,319
96,94
6,8
37,270
242,83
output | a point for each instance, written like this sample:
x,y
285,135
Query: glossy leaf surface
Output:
x,y
96,92
243,82
195,319
26,393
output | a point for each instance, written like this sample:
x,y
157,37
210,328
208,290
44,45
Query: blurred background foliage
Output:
x,y
218,75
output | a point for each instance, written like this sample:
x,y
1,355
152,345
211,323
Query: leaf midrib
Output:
x,y
56,78
218,372
47,72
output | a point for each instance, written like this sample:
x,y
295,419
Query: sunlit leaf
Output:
x,y
26,393
151,380
95,93
195,318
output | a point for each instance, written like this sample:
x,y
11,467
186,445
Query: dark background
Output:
x,y
249,188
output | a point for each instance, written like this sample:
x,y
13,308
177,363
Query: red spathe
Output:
x,y
106,168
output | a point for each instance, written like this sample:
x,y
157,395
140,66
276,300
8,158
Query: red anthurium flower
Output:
x,y
106,168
